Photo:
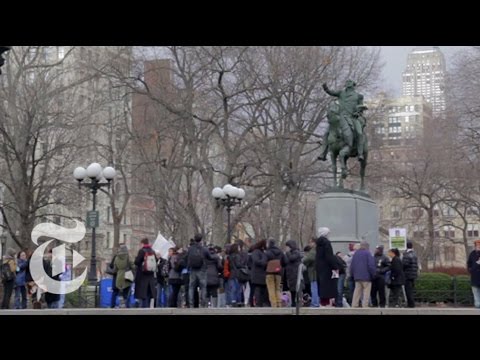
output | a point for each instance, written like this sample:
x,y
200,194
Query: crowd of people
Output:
x,y
264,275
261,275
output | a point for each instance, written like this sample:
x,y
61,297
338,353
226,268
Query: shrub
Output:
x,y
433,287
463,290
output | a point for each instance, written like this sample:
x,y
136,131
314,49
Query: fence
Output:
x,y
431,288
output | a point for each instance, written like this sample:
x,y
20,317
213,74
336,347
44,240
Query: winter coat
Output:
x,y
362,267
144,281
12,263
473,266
309,262
325,262
293,259
410,264
236,262
348,260
205,253
214,267
382,264
121,265
50,297
397,275
175,275
22,269
274,253
342,264
258,267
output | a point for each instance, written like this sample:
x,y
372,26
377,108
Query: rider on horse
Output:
x,y
350,107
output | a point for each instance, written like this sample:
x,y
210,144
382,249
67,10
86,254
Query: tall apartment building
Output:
x,y
425,75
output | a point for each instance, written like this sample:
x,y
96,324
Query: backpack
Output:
x,y
243,273
274,266
195,257
149,262
7,273
179,264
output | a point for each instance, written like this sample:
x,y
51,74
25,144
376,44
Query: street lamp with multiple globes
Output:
x,y
97,176
229,196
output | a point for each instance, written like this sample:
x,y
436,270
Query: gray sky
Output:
x,y
395,59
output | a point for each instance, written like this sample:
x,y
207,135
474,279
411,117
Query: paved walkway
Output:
x,y
248,311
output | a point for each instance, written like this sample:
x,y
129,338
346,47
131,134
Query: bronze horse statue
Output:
x,y
339,137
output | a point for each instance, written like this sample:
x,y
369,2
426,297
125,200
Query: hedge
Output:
x,y
440,287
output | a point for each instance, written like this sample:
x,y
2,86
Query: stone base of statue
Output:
x,y
351,216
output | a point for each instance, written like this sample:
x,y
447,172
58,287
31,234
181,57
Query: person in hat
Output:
x,y
473,266
122,265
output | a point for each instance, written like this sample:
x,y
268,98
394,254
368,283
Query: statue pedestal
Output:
x,y
351,216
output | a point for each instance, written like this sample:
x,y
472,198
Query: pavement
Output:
x,y
248,311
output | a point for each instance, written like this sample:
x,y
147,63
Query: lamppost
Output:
x,y
97,175
2,60
229,196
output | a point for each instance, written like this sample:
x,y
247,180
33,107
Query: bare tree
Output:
x,y
43,121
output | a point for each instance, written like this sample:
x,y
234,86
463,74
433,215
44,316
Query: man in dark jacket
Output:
x,y
410,269
473,265
293,260
363,271
214,268
197,266
382,263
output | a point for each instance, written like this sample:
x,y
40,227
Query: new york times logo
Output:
x,y
39,276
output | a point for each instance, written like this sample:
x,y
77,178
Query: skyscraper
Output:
x,y
425,75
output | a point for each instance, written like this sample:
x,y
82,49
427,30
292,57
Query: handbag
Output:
x,y
129,276
274,266
110,270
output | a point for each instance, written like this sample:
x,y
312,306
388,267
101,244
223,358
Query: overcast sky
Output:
x,y
395,59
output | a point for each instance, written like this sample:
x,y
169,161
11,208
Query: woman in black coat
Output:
x,y
294,258
258,273
145,282
397,277
326,263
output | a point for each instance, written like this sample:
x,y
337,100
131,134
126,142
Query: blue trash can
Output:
x,y
106,292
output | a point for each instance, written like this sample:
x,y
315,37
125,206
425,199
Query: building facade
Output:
x,y
425,75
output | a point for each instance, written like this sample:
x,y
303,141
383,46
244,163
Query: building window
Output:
x,y
124,238
450,211
436,234
406,119
417,212
436,211
449,253
125,217
395,211
449,231
472,230
417,231
108,240
108,214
